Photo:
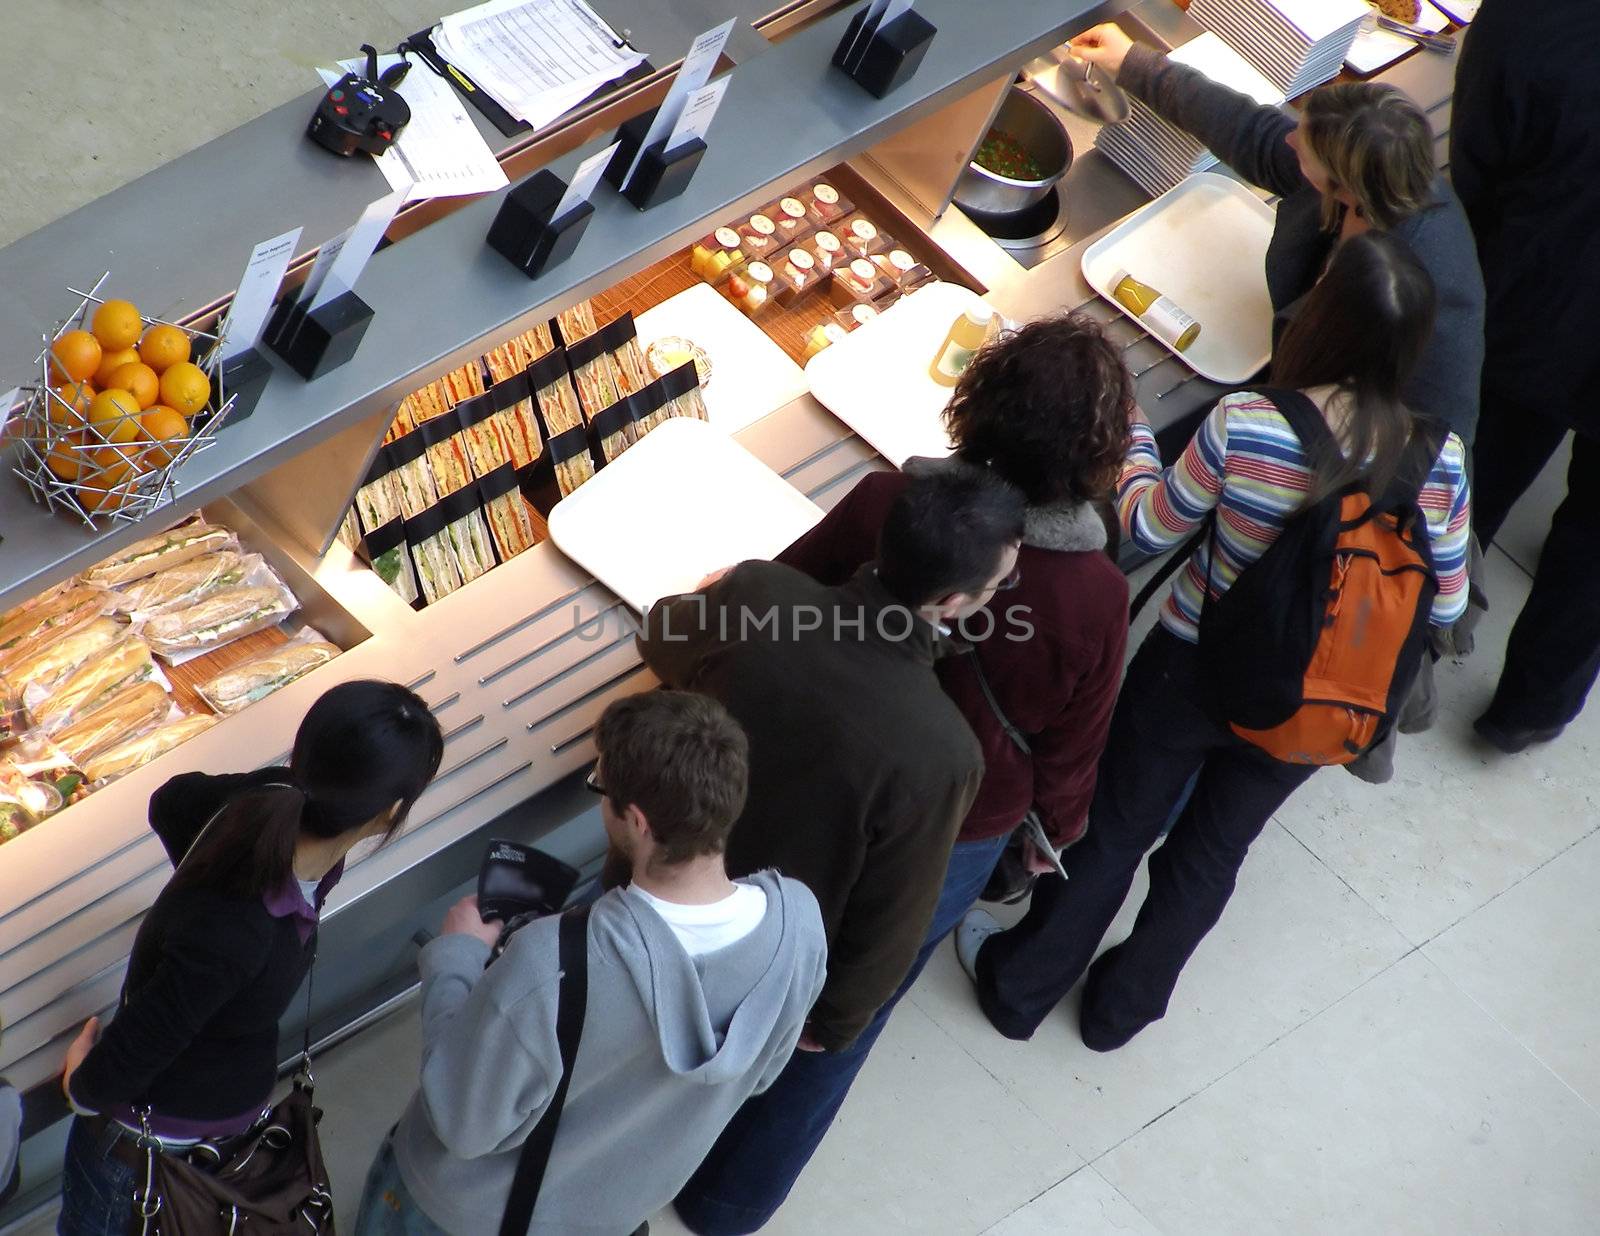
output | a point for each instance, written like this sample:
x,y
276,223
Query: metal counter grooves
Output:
x,y
463,801
820,453
572,669
472,759
586,697
517,625
495,675
143,839
473,724
860,468
444,703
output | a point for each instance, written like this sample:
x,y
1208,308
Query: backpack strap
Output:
x,y
1018,738
572,999
1307,421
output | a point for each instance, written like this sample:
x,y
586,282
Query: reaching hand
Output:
x,y
465,919
1033,862
1105,46
807,1043
79,1048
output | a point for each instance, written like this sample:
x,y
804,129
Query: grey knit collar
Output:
x,y
1066,527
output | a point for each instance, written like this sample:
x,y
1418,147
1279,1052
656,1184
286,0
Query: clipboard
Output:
x,y
422,45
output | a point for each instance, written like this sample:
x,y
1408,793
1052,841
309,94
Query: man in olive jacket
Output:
x,y
861,769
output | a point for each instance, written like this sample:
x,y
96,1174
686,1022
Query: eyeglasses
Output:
x,y
593,786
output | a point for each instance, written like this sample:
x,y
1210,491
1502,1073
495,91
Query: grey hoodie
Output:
x,y
671,1047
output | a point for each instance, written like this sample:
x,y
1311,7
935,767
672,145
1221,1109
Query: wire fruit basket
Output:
x,y
108,470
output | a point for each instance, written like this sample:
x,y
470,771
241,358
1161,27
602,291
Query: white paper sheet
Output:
x,y
1375,48
694,73
538,58
252,302
584,180
698,111
869,22
440,153
356,247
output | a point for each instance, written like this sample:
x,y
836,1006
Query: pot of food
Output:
x,y
1020,159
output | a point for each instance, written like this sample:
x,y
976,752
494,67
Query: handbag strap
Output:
x,y
572,999
1012,732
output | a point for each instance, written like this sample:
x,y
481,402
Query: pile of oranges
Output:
x,y
121,398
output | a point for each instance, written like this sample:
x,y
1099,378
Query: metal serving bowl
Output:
x,y
1036,127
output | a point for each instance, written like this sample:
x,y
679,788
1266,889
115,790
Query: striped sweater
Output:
x,y
1247,463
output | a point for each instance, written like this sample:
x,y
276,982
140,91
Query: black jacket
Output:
x,y
195,1035
861,769
1525,158
1249,138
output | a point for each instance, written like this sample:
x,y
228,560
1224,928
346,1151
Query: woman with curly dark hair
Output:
x,y
1045,407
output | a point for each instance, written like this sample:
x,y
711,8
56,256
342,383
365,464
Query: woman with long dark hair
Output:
x,y
1350,352
229,940
1359,157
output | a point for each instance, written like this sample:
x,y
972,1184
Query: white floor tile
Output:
x,y
1083,1204
1403,1109
1293,941
1459,823
928,1142
362,1087
1528,959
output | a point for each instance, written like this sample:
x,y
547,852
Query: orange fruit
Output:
x,y
163,347
112,465
116,415
94,496
117,325
110,362
138,379
75,356
163,424
65,462
68,404
185,388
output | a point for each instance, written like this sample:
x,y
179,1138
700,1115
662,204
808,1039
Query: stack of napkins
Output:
x,y
1161,156
1297,44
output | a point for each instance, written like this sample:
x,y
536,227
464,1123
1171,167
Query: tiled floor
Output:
x,y
1392,1030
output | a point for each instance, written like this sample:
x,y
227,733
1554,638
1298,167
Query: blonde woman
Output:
x,y
1359,158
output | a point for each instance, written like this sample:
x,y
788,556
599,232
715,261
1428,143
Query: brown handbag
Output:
x,y
272,1182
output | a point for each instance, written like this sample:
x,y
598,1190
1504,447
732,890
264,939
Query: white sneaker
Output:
x,y
971,932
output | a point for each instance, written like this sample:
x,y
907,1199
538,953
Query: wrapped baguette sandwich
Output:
x,y
125,715
226,615
125,664
29,630
137,752
157,553
185,583
233,689
56,659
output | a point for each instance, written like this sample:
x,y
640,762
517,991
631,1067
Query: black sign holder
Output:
x,y
888,54
314,343
524,233
662,174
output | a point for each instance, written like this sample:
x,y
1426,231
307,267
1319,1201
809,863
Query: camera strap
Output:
x,y
572,1000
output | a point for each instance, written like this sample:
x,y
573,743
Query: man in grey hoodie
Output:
x,y
698,988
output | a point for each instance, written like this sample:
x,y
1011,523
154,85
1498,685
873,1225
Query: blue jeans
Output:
x,y
96,1189
387,1207
762,1152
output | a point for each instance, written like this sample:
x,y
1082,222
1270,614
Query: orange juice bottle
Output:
x,y
1159,314
966,336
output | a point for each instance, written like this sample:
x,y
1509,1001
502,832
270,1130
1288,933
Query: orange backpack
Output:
x,y
1313,650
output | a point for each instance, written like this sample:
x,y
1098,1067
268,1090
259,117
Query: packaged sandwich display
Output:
x,y
136,752
123,716
510,519
124,664
235,689
553,391
389,552
592,374
156,553
184,583
220,618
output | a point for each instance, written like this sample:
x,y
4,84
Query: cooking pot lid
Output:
x,y
1082,88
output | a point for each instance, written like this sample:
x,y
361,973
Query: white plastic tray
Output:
x,y
750,375
1204,244
876,379
683,502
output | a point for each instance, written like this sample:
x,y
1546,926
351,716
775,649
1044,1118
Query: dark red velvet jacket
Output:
x,y
1057,685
